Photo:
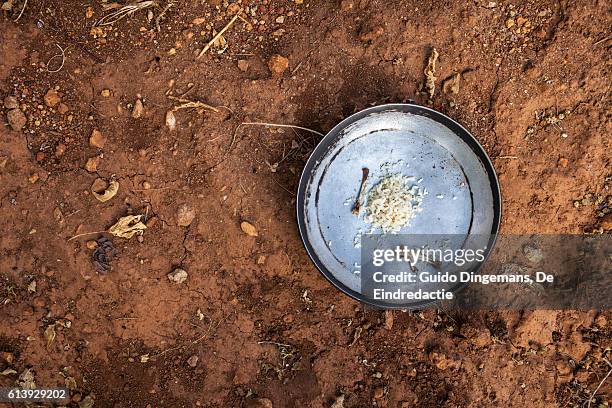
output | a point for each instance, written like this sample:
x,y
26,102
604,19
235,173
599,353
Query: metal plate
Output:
x,y
446,160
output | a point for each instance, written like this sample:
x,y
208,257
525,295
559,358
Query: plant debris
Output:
x,y
430,70
103,255
128,226
125,11
26,380
452,84
50,334
248,229
364,177
103,192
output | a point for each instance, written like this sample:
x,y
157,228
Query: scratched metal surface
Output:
x,y
389,139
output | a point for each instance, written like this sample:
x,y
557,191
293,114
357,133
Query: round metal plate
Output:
x,y
443,157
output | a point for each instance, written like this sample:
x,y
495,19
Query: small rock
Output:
x,y
10,102
34,177
91,244
339,402
16,119
278,64
347,5
105,93
52,98
92,164
97,139
62,108
563,162
248,229
280,19
138,109
185,215
243,65
178,276
509,23
233,8
192,361
170,120
298,1
60,149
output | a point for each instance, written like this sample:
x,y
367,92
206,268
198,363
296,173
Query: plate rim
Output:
x,y
331,136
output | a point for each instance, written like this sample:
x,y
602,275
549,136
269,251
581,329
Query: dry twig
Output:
x,y
219,34
25,3
126,11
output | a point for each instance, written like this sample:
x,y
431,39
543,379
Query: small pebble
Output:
x,y
178,276
52,98
278,64
192,361
185,215
16,119
97,139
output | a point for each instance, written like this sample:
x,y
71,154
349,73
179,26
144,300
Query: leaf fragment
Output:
x,y
50,334
106,194
128,226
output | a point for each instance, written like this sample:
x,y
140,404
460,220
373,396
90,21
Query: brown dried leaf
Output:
x,y
248,229
107,194
50,334
128,226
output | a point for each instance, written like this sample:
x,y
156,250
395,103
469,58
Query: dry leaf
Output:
x,y
8,371
32,287
108,193
170,120
248,229
127,226
71,383
430,79
26,380
50,334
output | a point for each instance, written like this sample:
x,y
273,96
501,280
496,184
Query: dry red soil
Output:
x,y
266,329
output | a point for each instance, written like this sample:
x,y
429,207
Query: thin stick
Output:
x,y
219,34
505,157
364,176
85,233
186,103
25,3
598,387
284,126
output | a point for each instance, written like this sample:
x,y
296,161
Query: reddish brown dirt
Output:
x,y
270,329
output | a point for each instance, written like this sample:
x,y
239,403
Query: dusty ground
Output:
x,y
266,328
